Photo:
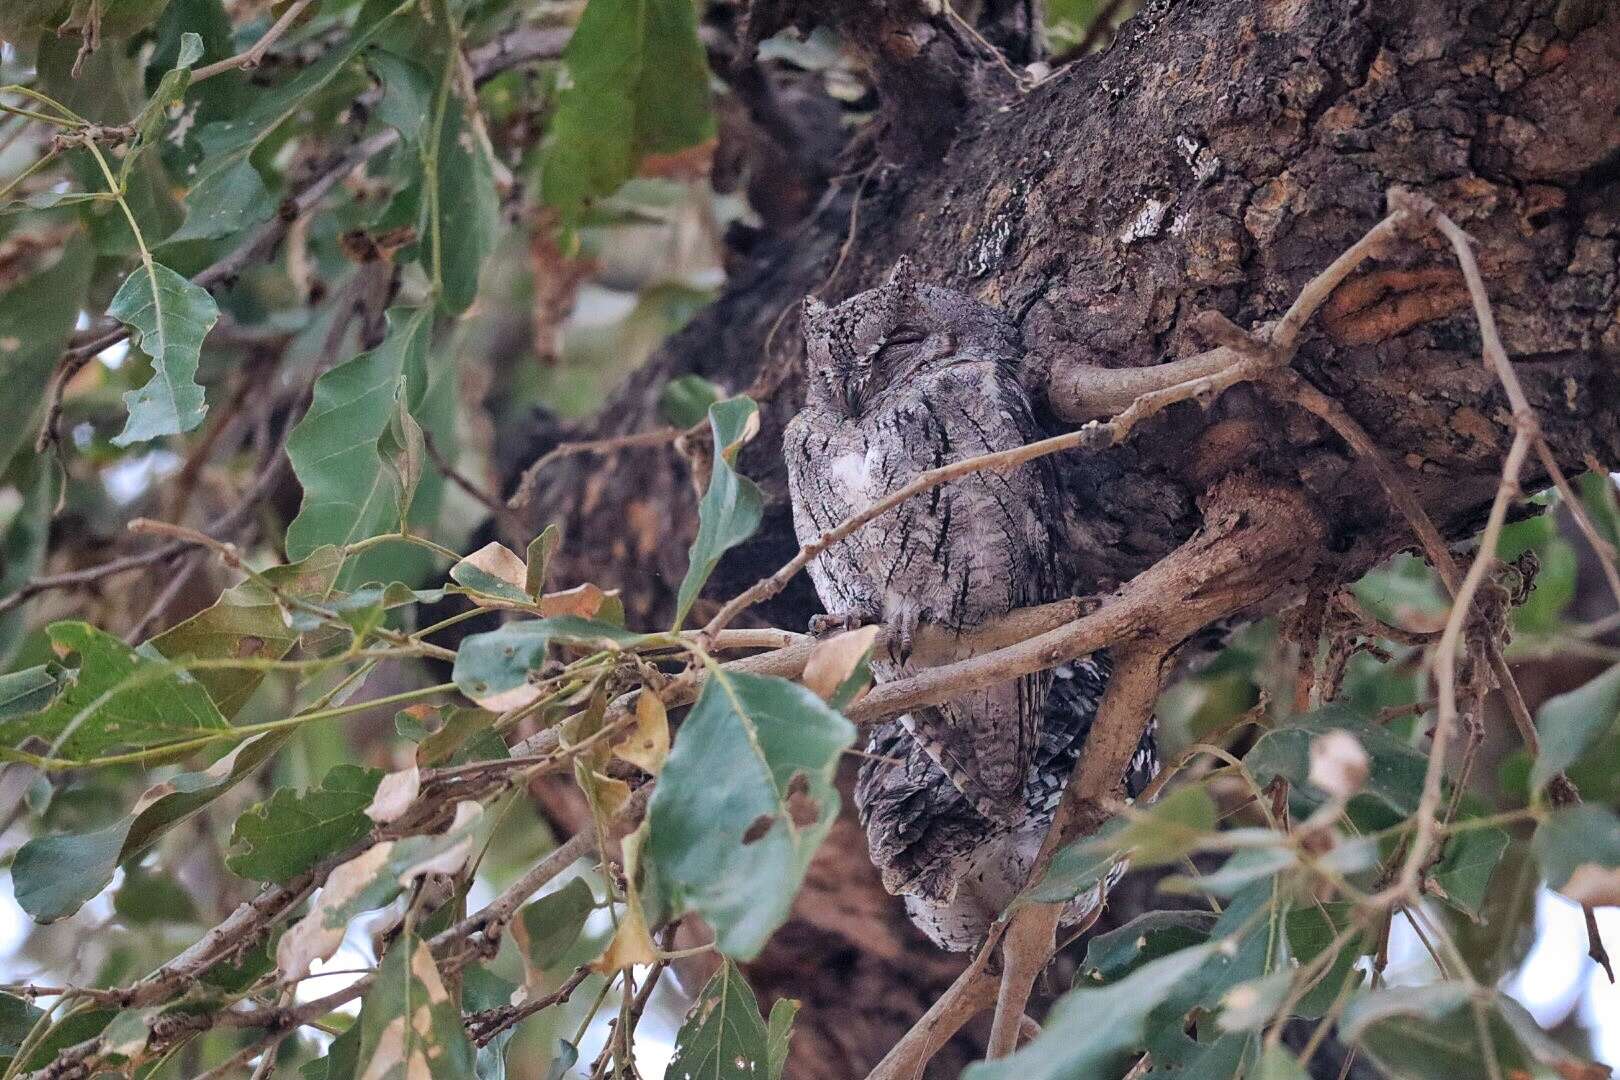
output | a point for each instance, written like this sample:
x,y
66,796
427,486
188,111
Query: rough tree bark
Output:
x,y
1217,156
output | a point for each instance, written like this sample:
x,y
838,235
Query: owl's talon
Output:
x,y
903,631
824,626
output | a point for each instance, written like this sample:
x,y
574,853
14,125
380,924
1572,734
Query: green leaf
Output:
x,y
633,82
1076,867
567,1056
744,800
287,834
732,506
225,202
1249,942
1465,869
1112,956
685,400
482,989
466,735
1396,768
220,190
1279,1064
249,621
119,699
1089,1030
113,18
341,1060
1578,849
724,1037
462,234
25,542
1168,830
25,692
500,660
410,1025
1440,1032
48,200
171,90
167,317
1311,929
36,316
553,923
1238,872
147,898
348,494
53,876
778,1035
537,559
407,101
1570,723
17,1019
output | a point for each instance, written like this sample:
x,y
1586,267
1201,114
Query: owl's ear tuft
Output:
x,y
904,275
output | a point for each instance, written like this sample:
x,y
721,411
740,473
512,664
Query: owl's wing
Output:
x,y
921,830
924,833
985,741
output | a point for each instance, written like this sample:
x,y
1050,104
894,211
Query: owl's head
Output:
x,y
886,336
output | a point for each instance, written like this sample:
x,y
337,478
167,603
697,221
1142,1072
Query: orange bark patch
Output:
x,y
1388,303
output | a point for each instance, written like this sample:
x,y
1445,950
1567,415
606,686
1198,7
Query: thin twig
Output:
x,y
526,483
462,481
1445,668
254,54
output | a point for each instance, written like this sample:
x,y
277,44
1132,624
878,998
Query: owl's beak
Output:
x,y
848,395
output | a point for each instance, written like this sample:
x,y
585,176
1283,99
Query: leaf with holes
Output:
x,y
120,698
744,800
724,1037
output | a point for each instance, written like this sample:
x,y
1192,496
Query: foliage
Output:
x,y
279,295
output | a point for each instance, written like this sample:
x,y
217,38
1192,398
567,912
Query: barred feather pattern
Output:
x,y
955,868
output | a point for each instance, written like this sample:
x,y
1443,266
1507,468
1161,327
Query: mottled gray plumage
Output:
x,y
956,869
955,799
904,378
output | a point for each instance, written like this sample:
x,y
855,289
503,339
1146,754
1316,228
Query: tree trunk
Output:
x,y
1217,157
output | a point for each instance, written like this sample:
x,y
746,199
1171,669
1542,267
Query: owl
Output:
x,y
956,870
901,379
